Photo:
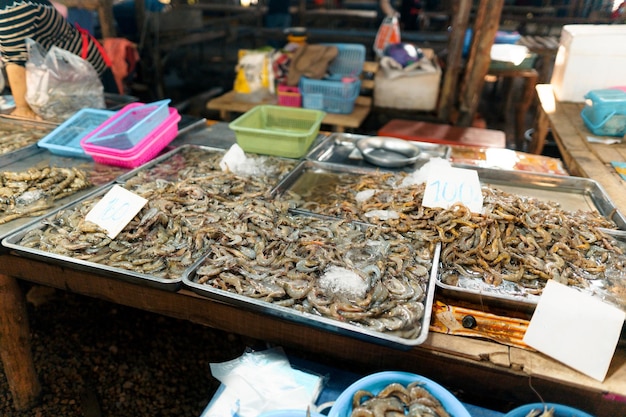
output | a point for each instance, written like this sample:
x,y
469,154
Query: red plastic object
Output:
x,y
144,151
444,134
289,96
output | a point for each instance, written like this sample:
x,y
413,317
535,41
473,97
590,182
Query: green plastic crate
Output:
x,y
277,130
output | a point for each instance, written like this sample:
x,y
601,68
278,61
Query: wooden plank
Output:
x,y
581,157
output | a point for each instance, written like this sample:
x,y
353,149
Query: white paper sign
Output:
x,y
449,185
576,329
115,210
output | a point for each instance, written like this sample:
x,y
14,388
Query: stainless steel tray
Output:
x,y
572,193
326,323
101,175
168,165
340,148
38,129
511,296
311,180
13,243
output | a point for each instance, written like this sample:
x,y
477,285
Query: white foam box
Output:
x,y
417,92
589,57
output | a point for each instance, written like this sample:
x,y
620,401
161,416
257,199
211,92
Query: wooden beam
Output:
x,y
485,28
448,95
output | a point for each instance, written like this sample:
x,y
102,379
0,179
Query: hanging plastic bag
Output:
x,y
59,83
388,33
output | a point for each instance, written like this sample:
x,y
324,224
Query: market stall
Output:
x,y
61,250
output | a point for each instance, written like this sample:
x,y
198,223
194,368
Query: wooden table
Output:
x,y
479,368
228,104
581,157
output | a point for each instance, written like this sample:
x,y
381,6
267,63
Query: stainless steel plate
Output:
x,y
388,152
340,148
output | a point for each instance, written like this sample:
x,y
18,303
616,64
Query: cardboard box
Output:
x,y
589,57
410,92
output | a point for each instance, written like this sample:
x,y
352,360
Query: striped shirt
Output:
x,y
40,21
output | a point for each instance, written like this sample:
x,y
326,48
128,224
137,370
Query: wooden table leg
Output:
x,y
542,124
522,109
15,350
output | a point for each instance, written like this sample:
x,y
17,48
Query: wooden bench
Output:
x,y
228,105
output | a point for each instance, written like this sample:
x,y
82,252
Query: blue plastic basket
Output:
x,y
348,62
65,139
605,112
329,95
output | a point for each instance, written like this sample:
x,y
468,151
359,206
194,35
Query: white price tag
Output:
x,y
115,210
448,185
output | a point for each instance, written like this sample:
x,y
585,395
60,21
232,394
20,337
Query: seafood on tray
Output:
x,y
373,277
14,136
32,192
515,239
174,229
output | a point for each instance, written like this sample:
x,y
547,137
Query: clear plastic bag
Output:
x,y
59,83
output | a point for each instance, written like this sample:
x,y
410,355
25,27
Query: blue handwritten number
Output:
x,y
114,210
453,192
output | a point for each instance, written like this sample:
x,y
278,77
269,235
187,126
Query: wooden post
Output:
x,y
105,13
448,95
15,351
485,28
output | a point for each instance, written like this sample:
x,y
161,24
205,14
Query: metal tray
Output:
x,y
510,296
40,130
168,165
340,148
325,323
572,193
13,243
101,176
311,179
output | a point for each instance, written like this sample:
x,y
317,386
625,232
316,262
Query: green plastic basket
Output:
x,y
277,130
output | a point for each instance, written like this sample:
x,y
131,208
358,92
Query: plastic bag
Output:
x,y
255,76
59,83
258,382
388,33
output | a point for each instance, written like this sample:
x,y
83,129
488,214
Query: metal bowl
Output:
x,y
388,152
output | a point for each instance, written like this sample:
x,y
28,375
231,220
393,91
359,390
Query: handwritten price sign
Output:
x,y
448,186
115,210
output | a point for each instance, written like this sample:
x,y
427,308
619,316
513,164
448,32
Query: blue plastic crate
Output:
x,y
335,96
65,139
348,62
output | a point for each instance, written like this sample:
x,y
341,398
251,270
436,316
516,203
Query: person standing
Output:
x,y
40,21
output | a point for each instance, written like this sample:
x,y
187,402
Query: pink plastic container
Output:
x,y
143,151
